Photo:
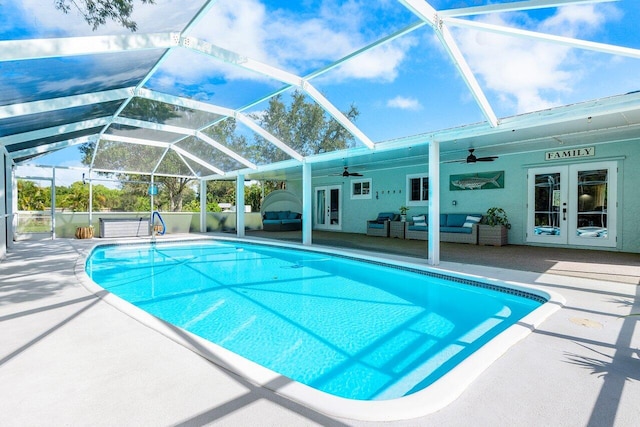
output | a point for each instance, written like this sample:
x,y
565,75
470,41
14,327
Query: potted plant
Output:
x,y
493,230
497,216
403,213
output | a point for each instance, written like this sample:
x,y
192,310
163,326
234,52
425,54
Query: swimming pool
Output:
x,y
363,331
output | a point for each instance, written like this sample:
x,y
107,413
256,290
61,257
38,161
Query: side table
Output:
x,y
396,229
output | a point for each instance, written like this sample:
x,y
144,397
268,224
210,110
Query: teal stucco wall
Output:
x,y
390,184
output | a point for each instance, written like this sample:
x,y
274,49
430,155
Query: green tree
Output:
x,y
75,198
303,126
105,198
225,132
120,156
253,197
194,206
96,12
32,197
134,196
221,192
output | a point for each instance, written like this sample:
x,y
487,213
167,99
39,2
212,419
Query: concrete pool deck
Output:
x,y
69,358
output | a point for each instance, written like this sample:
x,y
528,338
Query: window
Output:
x,y
361,189
417,190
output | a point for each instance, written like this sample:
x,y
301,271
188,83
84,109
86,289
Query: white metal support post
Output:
x,y
433,245
90,202
4,215
53,203
203,206
306,204
13,196
151,194
240,206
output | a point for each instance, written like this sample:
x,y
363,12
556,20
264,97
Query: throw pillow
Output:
x,y
470,221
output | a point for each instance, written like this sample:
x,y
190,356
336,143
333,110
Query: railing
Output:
x,y
155,215
175,222
33,223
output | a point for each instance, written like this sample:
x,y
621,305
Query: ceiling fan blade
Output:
x,y
346,173
471,158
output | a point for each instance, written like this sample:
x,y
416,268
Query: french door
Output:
x,y
573,204
328,208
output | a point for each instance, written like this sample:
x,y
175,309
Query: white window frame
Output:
x,y
421,202
360,196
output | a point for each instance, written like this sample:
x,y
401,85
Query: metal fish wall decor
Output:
x,y
477,181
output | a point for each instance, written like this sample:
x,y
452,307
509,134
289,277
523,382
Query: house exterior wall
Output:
x,y
513,197
390,185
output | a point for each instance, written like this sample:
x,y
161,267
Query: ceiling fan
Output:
x,y
346,173
471,158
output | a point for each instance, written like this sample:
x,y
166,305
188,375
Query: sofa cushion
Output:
x,y
418,227
455,220
289,221
385,216
464,230
283,214
270,215
271,221
292,215
376,225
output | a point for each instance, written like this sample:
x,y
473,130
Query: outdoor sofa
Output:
x,y
281,221
281,211
454,228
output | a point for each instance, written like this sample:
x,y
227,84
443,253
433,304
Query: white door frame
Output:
x,y
553,227
571,224
594,227
327,216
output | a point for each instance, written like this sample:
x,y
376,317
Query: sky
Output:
x,y
404,87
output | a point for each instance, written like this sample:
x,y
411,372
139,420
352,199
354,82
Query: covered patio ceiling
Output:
x,y
529,75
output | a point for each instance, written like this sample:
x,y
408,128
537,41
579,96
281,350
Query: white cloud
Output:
x,y
237,26
294,42
530,74
380,64
299,43
173,72
404,103
574,20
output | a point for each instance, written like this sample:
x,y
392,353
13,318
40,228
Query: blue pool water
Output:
x,y
354,329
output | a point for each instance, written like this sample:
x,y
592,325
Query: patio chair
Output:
x,y
380,226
